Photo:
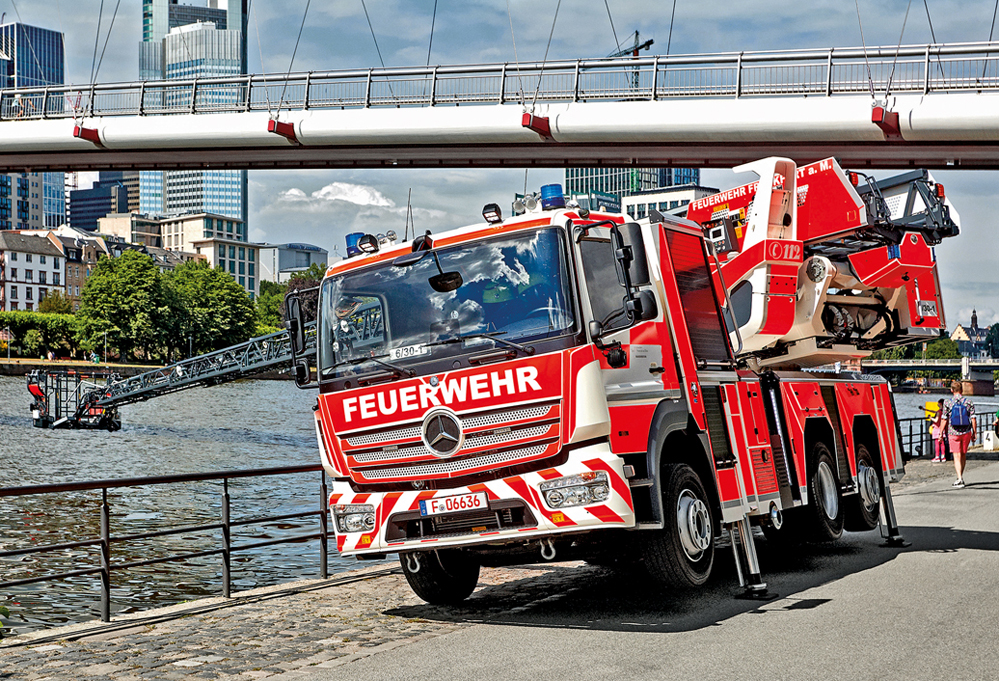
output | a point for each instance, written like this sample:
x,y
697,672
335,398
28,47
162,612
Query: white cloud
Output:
x,y
319,200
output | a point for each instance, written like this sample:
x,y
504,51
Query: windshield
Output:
x,y
514,287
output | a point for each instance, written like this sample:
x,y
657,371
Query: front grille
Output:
x,y
502,515
454,466
472,441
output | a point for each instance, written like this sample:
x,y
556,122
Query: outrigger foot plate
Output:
x,y
751,594
896,542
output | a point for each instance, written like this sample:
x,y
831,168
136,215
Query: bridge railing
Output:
x,y
909,69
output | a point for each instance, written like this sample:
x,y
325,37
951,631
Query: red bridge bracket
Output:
x,y
89,134
888,122
539,124
286,130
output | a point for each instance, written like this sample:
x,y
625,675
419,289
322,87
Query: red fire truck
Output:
x,y
569,383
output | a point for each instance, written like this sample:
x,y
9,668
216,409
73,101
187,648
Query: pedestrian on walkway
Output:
x,y
961,425
939,434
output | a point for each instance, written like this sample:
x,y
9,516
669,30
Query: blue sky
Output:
x,y
320,206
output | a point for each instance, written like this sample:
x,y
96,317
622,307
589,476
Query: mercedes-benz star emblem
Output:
x,y
442,432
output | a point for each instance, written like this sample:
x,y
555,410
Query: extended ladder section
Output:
x,y
819,268
68,399
245,359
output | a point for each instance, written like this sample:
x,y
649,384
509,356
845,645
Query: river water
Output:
x,y
243,425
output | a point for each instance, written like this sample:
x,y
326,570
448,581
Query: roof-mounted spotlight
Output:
x,y
367,244
492,213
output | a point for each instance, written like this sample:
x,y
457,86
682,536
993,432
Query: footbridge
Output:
x,y
917,105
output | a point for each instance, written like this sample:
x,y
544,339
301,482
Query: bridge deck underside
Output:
x,y
969,155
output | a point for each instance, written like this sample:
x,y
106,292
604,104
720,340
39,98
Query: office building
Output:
x,y
87,206
31,56
624,181
30,267
280,262
673,200
135,228
128,179
182,41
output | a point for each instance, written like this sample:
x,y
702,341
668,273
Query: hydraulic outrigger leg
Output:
x,y
752,584
889,523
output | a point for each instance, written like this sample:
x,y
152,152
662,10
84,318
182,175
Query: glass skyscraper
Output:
x,y
31,56
188,41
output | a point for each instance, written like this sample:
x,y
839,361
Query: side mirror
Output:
x,y
595,328
629,255
296,328
303,373
643,306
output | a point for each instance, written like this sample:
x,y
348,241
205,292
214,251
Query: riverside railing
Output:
x,y
916,438
910,69
107,540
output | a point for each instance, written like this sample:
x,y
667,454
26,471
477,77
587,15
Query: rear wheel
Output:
x,y
444,577
682,554
861,511
824,513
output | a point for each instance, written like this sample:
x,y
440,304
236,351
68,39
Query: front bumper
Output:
x,y
517,510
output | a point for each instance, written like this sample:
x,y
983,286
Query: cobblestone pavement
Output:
x,y
269,633
285,631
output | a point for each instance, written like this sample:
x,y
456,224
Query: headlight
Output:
x,y
576,490
354,518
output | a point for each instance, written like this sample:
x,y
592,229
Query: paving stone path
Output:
x,y
282,632
274,632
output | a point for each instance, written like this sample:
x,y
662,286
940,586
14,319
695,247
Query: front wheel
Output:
x,y
824,513
444,577
861,511
682,554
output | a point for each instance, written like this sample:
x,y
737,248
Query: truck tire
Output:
x,y
444,577
824,512
682,554
861,511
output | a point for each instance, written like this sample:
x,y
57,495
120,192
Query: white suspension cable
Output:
x,y
617,43
870,79
293,53
516,59
106,39
545,60
891,75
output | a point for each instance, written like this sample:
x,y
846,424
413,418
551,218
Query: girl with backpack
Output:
x,y
961,425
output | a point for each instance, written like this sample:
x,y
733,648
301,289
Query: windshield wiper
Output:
x,y
527,349
398,370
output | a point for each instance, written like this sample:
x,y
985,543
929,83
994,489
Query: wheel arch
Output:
x,y
865,432
818,429
676,438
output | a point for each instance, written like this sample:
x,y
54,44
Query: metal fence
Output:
x,y
911,69
916,438
107,540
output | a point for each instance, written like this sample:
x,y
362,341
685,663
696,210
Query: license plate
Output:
x,y
456,504
407,351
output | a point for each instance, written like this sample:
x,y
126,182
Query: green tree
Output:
x,y
55,303
33,342
992,341
307,282
942,348
269,304
211,309
124,298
